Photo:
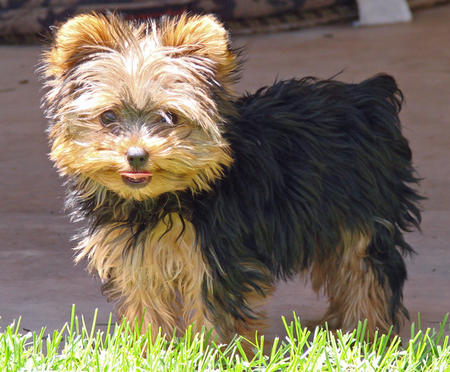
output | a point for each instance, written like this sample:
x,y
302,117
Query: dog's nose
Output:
x,y
137,157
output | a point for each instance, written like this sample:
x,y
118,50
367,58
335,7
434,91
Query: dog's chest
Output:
x,y
163,262
157,274
171,255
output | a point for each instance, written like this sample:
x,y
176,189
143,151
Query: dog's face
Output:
x,y
137,109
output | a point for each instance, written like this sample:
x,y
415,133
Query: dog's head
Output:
x,y
138,108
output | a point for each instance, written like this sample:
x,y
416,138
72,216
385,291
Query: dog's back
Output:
x,y
321,180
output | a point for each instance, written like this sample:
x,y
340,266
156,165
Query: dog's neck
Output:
x,y
106,207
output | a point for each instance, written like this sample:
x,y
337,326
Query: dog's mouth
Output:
x,y
136,179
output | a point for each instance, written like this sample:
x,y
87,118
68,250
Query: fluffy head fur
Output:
x,y
167,85
306,175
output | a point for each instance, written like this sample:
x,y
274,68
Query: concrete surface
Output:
x,y
38,279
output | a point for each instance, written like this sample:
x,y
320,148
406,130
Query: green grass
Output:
x,y
79,347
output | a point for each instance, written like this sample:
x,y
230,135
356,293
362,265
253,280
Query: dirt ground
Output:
x,y
38,279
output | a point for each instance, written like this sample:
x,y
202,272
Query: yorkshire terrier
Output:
x,y
196,201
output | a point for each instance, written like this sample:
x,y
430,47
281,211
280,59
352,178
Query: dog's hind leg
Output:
x,y
363,279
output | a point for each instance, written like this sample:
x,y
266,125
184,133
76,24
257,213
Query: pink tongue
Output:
x,y
136,175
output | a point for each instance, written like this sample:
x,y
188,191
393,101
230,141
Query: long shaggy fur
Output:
x,y
307,175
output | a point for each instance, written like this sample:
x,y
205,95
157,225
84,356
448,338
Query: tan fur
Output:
x,y
142,70
101,158
158,281
80,37
353,290
202,35
143,73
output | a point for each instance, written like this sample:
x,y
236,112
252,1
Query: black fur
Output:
x,y
310,157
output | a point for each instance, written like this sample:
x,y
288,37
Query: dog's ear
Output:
x,y
80,37
200,35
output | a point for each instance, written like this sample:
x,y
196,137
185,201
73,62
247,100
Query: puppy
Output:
x,y
197,201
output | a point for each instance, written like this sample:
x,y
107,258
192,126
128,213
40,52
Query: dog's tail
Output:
x,y
386,86
382,112
380,100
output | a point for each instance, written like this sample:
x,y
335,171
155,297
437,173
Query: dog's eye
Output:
x,y
108,117
169,117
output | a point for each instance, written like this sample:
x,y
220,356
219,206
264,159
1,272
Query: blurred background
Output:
x,y
281,39
26,19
